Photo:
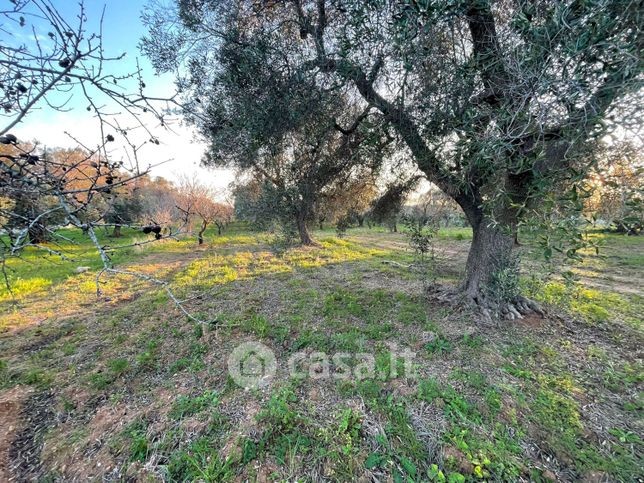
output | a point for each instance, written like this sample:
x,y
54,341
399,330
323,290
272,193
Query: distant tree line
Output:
x,y
141,202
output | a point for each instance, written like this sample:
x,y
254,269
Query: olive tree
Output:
x,y
289,132
347,201
495,100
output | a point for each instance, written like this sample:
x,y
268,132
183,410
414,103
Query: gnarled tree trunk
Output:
x,y
491,249
302,214
490,252
117,231
303,230
204,225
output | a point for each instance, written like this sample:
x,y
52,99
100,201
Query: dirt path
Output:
x,y
11,402
35,416
625,282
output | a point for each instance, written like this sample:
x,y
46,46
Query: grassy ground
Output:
x,y
125,387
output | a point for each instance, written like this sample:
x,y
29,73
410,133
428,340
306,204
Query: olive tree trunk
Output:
x,y
491,249
303,230
301,216
204,225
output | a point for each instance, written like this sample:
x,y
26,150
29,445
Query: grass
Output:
x,y
142,387
188,406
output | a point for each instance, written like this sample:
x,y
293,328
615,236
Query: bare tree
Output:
x,y
197,202
57,67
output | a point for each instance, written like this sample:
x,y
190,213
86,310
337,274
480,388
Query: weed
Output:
x,y
4,373
68,404
342,303
620,377
37,377
147,359
285,432
594,306
199,461
68,349
475,379
187,406
440,345
133,440
349,426
256,324
472,341
278,413
99,381
193,363
118,367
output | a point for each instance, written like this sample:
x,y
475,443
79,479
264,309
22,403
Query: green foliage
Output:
x,y
617,193
193,363
421,232
148,358
199,461
349,426
438,345
4,373
278,413
118,367
472,341
125,209
102,379
503,282
434,473
386,208
561,230
342,225
619,378
185,406
496,454
37,377
256,324
342,303
285,433
99,381
133,441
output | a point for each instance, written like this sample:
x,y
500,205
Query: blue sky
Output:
x,y
122,31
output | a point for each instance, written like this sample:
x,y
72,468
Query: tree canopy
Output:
x,y
496,102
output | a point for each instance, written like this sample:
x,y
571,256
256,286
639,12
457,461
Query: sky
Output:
x,y
178,152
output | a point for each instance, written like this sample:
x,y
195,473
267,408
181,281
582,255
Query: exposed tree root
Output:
x,y
490,311
513,310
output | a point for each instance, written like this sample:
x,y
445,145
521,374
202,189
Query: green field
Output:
x,y
124,385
